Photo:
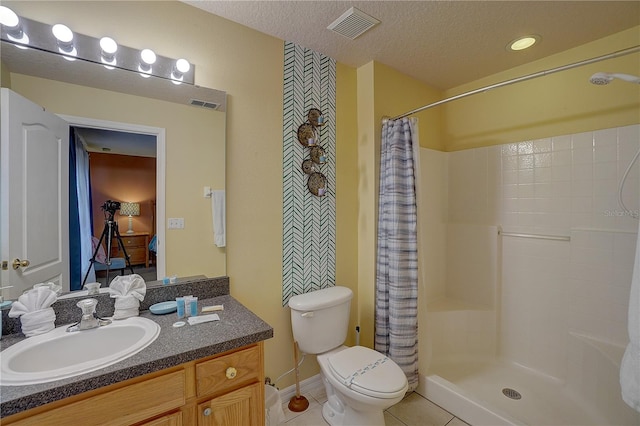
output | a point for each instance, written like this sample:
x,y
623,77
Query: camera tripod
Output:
x,y
110,229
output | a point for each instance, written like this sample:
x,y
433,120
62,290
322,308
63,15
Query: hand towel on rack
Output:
x,y
218,209
35,311
630,367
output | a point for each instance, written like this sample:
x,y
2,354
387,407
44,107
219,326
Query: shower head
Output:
x,y
602,78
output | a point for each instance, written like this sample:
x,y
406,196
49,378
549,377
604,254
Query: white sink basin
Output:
x,y
59,354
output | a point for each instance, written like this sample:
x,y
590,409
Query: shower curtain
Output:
x,y
397,253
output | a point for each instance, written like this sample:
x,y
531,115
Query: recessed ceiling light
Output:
x,y
523,42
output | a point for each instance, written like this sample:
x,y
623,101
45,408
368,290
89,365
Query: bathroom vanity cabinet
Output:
x,y
223,389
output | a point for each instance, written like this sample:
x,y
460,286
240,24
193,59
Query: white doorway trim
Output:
x,y
159,133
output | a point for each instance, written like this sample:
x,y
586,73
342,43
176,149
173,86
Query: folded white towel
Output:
x,y
129,291
630,367
128,285
119,314
126,302
38,322
218,209
33,300
57,288
125,307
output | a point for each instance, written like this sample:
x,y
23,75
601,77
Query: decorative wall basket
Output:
x,y
317,184
315,117
308,167
318,155
309,137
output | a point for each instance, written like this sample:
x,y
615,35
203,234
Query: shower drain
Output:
x,y
511,393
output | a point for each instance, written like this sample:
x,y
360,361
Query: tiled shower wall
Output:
x,y
565,185
550,185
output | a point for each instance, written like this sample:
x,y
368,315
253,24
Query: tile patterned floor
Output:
x,y
413,410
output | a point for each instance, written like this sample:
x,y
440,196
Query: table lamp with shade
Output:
x,y
130,209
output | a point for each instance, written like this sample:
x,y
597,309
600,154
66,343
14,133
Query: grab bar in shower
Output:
x,y
536,236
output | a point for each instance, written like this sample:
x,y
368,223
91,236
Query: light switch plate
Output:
x,y
176,223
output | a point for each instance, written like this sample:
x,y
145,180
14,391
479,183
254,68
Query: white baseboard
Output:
x,y
309,385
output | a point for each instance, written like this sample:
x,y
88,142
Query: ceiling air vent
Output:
x,y
353,23
203,104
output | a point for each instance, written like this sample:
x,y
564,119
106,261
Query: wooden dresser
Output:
x,y
136,245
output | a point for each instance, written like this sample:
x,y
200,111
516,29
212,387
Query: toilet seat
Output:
x,y
368,372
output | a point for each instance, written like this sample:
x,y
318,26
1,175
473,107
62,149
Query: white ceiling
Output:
x,y
442,43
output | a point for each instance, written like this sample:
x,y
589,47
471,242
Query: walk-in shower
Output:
x,y
527,306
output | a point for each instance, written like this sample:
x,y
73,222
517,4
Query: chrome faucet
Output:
x,y
89,318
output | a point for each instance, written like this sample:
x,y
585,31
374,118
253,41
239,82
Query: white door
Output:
x,y
34,196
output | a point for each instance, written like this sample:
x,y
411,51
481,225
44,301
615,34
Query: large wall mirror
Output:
x,y
189,154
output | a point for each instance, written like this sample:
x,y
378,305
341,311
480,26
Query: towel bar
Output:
x,y
535,236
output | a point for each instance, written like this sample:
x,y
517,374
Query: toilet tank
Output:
x,y
320,319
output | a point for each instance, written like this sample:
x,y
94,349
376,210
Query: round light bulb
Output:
x,y
183,65
62,33
108,45
148,56
523,42
8,17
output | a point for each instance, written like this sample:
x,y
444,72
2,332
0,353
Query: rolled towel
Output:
x,y
126,302
129,291
33,300
119,314
38,322
128,285
125,307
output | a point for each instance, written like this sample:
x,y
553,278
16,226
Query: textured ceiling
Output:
x,y
442,43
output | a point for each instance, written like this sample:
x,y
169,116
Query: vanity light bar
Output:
x,y
39,36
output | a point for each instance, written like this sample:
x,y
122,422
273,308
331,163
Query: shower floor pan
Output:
x,y
481,394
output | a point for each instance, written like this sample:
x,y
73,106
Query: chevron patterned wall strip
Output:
x,y
309,222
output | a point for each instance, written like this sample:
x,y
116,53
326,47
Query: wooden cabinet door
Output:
x,y
240,407
174,419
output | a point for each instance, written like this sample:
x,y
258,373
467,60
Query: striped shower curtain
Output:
x,y
397,258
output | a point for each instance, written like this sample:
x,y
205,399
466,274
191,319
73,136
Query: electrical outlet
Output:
x,y
176,223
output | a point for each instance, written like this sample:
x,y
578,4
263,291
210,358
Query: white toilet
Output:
x,y
360,382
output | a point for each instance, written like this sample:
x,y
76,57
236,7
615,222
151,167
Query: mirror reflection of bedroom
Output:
x,y
115,186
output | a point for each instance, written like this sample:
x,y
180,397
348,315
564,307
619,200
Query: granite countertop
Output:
x,y
238,327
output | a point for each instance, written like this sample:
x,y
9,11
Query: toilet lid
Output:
x,y
368,372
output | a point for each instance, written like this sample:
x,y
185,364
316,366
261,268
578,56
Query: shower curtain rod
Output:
x,y
612,55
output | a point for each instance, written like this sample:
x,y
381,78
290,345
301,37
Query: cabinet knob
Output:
x,y
207,411
231,373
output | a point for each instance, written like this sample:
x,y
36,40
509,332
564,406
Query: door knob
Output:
x,y
17,263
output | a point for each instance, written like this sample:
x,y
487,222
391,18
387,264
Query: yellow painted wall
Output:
x,y
368,151
555,104
382,91
347,187
396,93
5,76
